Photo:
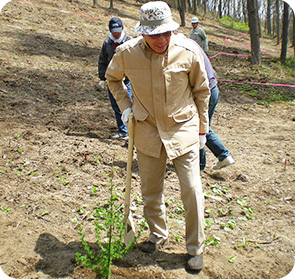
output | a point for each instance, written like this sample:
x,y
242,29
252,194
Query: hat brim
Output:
x,y
157,29
116,30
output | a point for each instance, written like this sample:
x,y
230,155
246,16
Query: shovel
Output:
x,y
128,221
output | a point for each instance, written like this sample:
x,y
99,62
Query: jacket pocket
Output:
x,y
139,113
185,113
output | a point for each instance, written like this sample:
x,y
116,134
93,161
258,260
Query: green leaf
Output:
x,y
232,259
45,212
241,202
5,209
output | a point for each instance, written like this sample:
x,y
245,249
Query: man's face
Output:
x,y
194,25
116,35
159,42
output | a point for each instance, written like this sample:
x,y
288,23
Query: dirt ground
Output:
x,y
56,149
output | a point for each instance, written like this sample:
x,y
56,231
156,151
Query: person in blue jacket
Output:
x,y
213,142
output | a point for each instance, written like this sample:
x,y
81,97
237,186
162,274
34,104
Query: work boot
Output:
x,y
224,163
195,262
150,247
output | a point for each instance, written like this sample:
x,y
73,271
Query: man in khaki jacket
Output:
x,y
170,106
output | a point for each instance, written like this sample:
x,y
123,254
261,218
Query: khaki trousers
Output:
x,y
152,171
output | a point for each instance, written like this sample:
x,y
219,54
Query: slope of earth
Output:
x,y
56,153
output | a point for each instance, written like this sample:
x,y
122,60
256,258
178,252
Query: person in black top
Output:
x,y
117,37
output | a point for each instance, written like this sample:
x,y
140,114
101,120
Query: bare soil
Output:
x,y
55,149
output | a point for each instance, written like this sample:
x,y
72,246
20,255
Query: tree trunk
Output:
x,y
294,33
194,7
245,11
181,9
268,19
220,8
285,32
189,5
254,35
273,25
278,22
258,18
205,7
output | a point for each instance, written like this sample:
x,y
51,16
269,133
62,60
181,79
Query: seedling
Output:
x,y
62,180
241,202
213,241
109,231
245,242
216,190
45,212
138,199
208,223
179,209
231,259
209,211
95,189
5,209
246,210
229,226
169,201
220,212
177,238
180,220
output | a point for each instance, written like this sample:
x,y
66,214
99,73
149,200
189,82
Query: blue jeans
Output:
x,y
214,143
122,129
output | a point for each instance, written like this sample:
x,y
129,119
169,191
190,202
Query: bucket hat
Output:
x,y
116,25
155,18
195,20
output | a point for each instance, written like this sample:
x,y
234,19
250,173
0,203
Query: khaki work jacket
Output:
x,y
170,94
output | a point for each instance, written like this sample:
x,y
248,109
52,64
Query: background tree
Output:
x,y
194,7
294,33
254,34
278,22
245,11
285,32
182,9
268,17
204,7
220,8
258,17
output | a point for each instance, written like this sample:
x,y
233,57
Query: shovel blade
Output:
x,y
129,230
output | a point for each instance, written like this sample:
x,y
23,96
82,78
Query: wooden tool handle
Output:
x,y
129,165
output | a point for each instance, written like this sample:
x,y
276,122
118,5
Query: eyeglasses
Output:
x,y
157,36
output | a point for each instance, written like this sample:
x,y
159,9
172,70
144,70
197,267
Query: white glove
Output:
x,y
125,115
101,84
202,140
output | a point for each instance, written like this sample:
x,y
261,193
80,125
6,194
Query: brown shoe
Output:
x,y
195,262
150,247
